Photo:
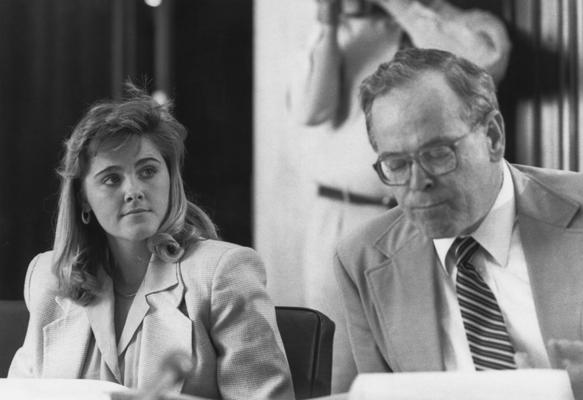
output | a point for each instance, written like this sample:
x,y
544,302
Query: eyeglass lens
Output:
x,y
437,160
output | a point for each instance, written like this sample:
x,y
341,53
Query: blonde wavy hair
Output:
x,y
80,249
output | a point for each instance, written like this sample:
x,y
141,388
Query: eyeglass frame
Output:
x,y
415,156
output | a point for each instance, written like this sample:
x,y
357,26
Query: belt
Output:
x,y
355,198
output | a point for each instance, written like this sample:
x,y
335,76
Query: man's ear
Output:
x,y
496,134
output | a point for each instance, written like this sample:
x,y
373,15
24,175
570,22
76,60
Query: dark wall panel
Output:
x,y
213,81
54,61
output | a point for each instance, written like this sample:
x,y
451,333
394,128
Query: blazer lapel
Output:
x,y
100,314
405,289
65,342
166,330
553,255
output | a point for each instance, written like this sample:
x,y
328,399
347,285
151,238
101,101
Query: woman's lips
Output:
x,y
135,211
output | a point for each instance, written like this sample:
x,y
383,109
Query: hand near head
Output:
x,y
328,11
568,354
393,6
397,7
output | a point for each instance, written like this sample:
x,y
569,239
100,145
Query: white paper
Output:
x,y
526,384
58,389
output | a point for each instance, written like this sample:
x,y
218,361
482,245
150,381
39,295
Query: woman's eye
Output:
x,y
111,180
148,172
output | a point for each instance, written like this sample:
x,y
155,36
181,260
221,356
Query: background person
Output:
x,y
479,262
351,39
137,273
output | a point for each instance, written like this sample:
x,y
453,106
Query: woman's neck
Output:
x,y
129,264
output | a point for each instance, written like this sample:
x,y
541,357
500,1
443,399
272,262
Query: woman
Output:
x,y
137,273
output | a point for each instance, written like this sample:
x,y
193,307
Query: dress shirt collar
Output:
x,y
495,231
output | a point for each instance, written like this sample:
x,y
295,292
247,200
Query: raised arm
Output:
x,y
315,91
476,35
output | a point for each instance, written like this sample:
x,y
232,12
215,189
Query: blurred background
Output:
x,y
226,64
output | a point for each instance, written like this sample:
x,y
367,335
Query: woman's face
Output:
x,y
128,190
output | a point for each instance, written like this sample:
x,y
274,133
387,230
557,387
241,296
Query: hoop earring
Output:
x,y
86,216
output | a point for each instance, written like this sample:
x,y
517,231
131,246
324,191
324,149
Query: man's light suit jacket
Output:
x,y
387,272
211,306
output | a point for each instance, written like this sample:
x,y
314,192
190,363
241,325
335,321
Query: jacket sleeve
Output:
x,y
314,95
362,341
23,362
251,361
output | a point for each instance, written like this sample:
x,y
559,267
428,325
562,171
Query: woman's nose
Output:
x,y
133,191
134,196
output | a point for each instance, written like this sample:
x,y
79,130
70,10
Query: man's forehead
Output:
x,y
425,86
413,114
422,98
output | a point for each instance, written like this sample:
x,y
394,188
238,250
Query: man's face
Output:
x,y
419,115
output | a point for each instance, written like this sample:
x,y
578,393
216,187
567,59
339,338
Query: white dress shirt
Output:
x,y
502,265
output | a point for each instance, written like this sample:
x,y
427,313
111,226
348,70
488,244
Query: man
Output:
x,y
351,38
479,266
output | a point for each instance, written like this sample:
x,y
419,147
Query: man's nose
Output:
x,y
420,179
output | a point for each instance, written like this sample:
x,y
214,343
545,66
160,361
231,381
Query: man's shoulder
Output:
x,y
385,234
566,183
550,196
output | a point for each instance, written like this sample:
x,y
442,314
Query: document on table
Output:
x,y
59,389
76,389
525,384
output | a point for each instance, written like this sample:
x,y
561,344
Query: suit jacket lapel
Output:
x,y
165,329
405,290
553,255
65,342
100,314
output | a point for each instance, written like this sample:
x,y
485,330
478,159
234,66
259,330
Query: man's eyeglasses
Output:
x,y
395,169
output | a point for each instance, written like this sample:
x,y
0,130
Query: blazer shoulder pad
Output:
x,y
202,259
41,282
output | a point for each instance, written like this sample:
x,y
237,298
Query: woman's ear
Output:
x,y
496,135
82,200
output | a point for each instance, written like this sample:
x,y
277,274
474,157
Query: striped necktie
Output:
x,y
488,338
